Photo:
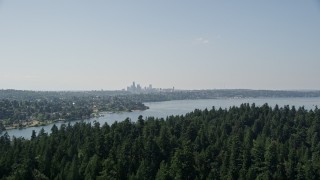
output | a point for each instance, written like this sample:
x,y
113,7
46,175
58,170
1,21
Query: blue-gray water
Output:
x,y
167,108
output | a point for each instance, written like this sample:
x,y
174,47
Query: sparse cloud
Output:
x,y
205,40
202,40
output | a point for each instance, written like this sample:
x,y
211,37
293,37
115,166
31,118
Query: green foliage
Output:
x,y
21,112
245,142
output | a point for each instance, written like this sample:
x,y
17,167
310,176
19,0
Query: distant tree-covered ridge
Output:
x,y
245,142
156,96
222,93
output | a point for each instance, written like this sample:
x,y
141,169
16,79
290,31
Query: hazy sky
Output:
x,y
100,44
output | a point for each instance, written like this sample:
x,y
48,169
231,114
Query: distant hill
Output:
x,y
157,96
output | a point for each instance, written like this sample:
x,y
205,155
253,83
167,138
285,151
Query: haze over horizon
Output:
x,y
82,45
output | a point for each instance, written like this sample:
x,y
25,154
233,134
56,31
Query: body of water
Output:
x,y
179,107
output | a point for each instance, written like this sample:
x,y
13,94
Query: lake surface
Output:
x,y
180,107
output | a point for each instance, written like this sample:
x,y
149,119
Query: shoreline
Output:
x,y
36,123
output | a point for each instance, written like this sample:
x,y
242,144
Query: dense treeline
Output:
x,y
245,142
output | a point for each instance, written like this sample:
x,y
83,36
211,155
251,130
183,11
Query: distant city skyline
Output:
x,y
82,45
137,88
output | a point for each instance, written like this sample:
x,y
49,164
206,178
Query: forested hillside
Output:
x,y
245,142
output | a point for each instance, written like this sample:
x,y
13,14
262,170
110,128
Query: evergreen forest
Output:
x,y
245,142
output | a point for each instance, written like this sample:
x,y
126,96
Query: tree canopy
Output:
x,y
245,142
